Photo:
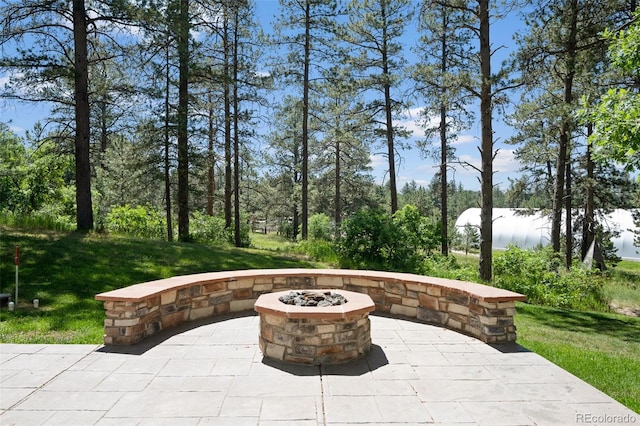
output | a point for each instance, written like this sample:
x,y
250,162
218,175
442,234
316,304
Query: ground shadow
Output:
x,y
509,348
375,359
156,339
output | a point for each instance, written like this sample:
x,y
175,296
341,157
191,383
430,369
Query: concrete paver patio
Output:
x,y
213,373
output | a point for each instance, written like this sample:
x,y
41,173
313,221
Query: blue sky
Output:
x,y
412,165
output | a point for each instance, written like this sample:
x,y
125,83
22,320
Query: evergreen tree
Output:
x,y
480,80
441,48
284,162
341,161
305,29
373,32
560,57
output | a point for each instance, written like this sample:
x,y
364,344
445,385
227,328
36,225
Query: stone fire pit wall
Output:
x,y
315,335
141,310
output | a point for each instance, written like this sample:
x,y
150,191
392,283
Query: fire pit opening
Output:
x,y
314,326
313,298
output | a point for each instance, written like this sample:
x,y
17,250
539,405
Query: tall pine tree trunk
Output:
x,y
568,227
486,151
305,121
565,130
443,180
183,111
388,106
588,227
443,141
167,150
84,205
228,178
236,135
337,216
211,159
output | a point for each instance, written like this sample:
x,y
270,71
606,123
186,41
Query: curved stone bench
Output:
x,y
141,310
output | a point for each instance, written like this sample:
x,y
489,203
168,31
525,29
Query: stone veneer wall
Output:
x,y
128,322
315,341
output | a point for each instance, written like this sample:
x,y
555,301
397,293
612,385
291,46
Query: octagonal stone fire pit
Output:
x,y
316,335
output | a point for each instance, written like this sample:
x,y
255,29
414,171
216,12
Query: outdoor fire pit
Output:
x,y
314,326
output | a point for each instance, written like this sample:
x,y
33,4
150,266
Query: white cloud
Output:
x,y
17,129
403,180
427,166
377,160
415,122
4,79
505,161
464,139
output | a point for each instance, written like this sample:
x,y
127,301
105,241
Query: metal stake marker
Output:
x,y
16,260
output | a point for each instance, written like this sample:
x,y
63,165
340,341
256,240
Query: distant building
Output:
x,y
511,226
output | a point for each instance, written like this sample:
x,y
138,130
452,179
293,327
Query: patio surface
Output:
x,y
213,373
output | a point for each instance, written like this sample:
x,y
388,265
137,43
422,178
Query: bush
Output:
x,y
535,273
421,234
285,229
136,221
211,229
208,229
441,266
371,240
320,227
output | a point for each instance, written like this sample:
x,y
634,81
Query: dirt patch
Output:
x,y
625,310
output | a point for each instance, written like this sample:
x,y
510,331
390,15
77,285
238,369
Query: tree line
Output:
x,y
189,106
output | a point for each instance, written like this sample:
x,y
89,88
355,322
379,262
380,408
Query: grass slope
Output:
x,y
66,270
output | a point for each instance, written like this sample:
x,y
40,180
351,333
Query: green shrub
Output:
x,y
208,229
136,221
540,276
371,240
285,229
421,234
211,229
320,227
441,266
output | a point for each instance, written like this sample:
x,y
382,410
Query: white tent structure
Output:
x,y
511,226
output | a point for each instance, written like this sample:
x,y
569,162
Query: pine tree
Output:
x,y
305,29
373,31
559,58
441,48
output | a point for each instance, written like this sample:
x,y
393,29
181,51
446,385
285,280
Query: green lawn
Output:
x,y
602,349
66,270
